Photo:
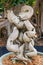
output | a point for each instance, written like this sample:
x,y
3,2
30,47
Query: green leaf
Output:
x,y
16,2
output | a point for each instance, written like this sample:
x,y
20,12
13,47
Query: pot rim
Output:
x,y
40,53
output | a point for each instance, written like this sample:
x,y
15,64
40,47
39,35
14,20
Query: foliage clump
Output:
x,y
10,3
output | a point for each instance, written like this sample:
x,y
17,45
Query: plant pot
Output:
x,y
40,53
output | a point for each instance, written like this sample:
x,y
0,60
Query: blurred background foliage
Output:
x,y
10,3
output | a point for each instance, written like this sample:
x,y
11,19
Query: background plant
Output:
x,y
10,3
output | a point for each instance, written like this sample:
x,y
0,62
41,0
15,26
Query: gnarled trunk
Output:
x,y
39,7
